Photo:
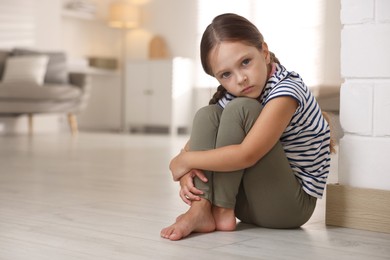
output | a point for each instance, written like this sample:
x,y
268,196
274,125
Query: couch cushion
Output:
x,y
3,57
25,69
56,68
30,92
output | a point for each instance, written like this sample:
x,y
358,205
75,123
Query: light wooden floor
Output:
x,y
106,196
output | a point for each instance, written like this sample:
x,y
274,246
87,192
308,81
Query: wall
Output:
x,y
17,26
48,25
83,38
24,23
175,20
365,94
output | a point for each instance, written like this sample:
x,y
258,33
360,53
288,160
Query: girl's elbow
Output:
x,y
249,160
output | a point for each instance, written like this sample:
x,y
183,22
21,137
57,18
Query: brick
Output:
x,y
382,12
365,51
364,162
381,121
357,11
356,107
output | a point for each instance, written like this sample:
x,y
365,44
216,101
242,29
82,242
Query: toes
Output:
x,y
171,233
166,232
174,237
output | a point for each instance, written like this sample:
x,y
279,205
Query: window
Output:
x,y
17,23
294,30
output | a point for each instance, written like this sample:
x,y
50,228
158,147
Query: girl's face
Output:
x,y
241,69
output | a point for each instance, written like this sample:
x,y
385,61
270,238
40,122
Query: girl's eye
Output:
x,y
246,62
225,75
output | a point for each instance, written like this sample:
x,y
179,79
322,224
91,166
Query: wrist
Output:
x,y
185,160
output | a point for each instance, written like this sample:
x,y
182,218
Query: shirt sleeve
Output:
x,y
290,89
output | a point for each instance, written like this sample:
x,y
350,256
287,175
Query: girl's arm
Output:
x,y
265,133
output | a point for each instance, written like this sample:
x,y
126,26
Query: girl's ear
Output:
x,y
267,54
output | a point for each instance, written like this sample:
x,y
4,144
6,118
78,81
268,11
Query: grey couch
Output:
x,y
61,92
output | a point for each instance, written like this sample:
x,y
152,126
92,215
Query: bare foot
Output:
x,y
197,219
225,220
179,217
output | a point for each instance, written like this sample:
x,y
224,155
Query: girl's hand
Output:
x,y
177,166
188,191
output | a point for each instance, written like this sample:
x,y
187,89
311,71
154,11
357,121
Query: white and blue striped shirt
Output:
x,y
306,139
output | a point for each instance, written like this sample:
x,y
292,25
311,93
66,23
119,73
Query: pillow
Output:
x,y
56,72
25,69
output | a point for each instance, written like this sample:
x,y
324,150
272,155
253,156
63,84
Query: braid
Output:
x,y
273,58
221,91
332,139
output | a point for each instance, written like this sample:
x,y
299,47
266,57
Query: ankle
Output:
x,y
202,203
222,210
225,219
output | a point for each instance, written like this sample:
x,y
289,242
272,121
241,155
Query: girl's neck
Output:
x,y
271,69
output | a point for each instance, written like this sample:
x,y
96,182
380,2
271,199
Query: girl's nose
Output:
x,y
242,79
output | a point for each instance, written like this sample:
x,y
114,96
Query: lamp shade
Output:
x,y
123,15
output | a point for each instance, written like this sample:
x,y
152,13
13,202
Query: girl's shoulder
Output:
x,y
286,83
285,80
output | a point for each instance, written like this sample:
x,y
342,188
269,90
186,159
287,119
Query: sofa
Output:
x,y
34,82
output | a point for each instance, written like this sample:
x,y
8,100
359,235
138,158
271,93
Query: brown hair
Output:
x,y
228,27
332,144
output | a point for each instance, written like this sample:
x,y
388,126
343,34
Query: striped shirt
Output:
x,y
306,139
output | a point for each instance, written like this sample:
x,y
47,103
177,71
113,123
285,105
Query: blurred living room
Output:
x,y
97,96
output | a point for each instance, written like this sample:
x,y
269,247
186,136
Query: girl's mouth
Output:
x,y
247,89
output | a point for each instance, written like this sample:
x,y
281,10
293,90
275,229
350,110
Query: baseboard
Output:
x,y
157,129
359,208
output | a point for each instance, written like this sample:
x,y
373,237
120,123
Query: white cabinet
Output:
x,y
158,95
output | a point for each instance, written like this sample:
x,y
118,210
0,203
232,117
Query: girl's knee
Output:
x,y
244,104
211,113
245,110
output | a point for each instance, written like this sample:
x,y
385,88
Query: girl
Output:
x,y
260,151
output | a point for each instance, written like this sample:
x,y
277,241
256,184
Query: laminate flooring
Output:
x,y
107,196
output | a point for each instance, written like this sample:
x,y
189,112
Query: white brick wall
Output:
x,y
383,11
365,94
365,162
357,106
381,118
357,11
365,107
365,50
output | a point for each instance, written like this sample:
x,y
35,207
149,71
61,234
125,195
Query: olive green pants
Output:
x,y
266,194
